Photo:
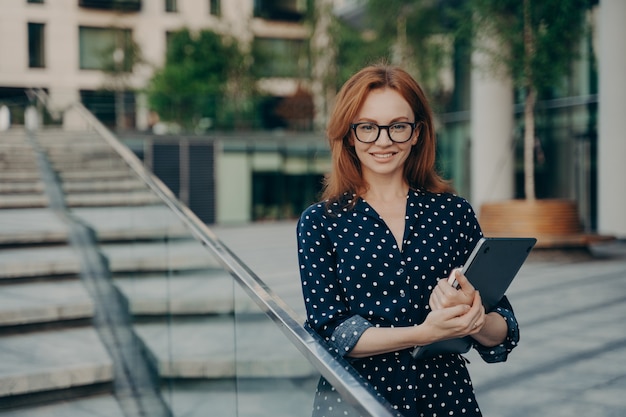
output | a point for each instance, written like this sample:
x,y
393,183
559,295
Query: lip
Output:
x,y
383,156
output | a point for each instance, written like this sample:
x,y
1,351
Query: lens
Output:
x,y
400,132
366,132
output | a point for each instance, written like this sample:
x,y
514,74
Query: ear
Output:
x,y
416,134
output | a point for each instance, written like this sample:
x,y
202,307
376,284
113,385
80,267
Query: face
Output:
x,y
384,157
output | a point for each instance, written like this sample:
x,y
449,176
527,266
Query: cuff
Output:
x,y
347,334
500,353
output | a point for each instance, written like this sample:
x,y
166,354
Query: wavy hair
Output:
x,y
419,168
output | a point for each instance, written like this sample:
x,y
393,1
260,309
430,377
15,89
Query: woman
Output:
x,y
373,252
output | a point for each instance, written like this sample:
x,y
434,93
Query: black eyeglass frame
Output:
x,y
413,125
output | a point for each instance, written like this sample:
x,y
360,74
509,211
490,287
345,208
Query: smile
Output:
x,y
383,155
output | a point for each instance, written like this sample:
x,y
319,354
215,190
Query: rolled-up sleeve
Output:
x,y
500,353
347,334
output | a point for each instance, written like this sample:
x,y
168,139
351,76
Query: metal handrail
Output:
x,y
348,383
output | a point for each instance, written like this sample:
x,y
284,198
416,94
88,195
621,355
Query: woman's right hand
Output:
x,y
456,321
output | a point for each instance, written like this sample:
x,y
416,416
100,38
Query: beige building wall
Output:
x,y
612,118
64,79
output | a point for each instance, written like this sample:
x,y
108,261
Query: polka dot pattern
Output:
x,y
355,276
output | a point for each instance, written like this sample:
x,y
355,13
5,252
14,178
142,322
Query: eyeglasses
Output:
x,y
368,132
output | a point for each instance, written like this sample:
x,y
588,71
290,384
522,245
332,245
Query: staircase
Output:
x,y
109,306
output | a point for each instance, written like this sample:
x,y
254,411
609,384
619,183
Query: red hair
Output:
x,y
419,168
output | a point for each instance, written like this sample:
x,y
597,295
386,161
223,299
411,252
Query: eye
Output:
x,y
367,127
400,127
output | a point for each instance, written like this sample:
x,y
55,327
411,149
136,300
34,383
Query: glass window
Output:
x,y
99,47
36,45
276,57
215,7
287,10
120,5
171,5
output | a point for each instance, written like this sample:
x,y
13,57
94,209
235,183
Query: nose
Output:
x,y
384,133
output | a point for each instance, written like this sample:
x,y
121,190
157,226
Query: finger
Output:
x,y
452,278
435,300
456,311
464,284
446,288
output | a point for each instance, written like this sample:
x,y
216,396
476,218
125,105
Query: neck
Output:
x,y
386,192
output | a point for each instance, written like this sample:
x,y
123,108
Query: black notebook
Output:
x,y
490,268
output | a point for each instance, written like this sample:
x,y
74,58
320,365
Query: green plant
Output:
x,y
199,69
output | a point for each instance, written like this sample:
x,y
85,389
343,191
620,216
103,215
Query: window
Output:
x,y
171,6
215,7
288,10
99,48
36,45
275,57
119,5
103,105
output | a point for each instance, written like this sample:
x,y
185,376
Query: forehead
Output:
x,y
384,104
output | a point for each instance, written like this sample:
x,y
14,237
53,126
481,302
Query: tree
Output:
x,y
536,42
194,81
419,36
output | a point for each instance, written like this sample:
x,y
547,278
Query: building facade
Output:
x,y
58,45
64,46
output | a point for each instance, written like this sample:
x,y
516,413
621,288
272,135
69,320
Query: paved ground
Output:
x,y
570,305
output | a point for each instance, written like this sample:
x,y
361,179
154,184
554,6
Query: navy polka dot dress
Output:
x,y
354,276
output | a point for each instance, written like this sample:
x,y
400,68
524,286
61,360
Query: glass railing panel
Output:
x,y
273,377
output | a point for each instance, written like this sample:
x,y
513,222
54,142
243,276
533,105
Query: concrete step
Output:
x,y
28,187
207,292
37,262
14,201
19,176
54,261
109,175
258,397
132,222
223,347
38,226
96,185
104,199
44,302
83,164
93,405
183,255
43,361
31,226
18,161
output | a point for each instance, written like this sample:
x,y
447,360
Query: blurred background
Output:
x,y
227,101
136,136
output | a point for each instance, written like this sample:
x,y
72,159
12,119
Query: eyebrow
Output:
x,y
394,120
